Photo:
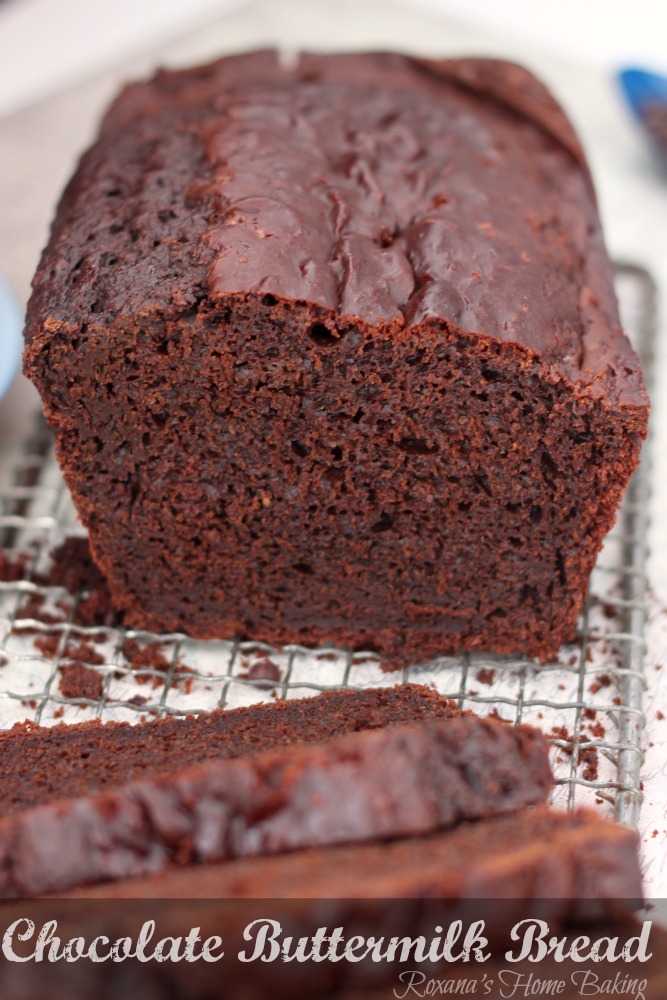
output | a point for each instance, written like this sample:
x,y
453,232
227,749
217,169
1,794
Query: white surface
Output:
x,y
605,33
46,45
43,144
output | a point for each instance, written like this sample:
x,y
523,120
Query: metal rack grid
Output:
x,y
589,700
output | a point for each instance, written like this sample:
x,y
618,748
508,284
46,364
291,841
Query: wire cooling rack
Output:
x,y
589,700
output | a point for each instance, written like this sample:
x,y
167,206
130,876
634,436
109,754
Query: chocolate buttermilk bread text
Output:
x,y
126,802
332,355
539,863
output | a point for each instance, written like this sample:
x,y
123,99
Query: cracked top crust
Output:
x,y
385,190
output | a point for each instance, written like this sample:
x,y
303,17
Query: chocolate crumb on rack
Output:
x,y
79,681
264,672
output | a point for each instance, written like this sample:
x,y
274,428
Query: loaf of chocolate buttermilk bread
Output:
x,y
126,803
332,355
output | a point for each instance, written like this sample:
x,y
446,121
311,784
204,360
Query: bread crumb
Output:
x,y
79,681
149,658
485,676
265,672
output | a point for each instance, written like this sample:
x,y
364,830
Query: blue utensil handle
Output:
x,y
11,340
643,89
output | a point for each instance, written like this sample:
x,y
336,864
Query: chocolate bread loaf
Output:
x,y
332,355
405,779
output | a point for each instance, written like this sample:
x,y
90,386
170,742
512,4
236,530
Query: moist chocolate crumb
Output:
x,y
72,567
265,671
48,645
13,569
508,770
184,677
601,681
590,772
587,755
485,676
79,681
142,658
97,609
83,651
659,715
33,607
389,665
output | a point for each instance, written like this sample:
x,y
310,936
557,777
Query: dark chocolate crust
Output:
x,y
333,355
535,854
400,781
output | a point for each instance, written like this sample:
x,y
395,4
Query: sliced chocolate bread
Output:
x,y
578,860
40,765
539,863
408,777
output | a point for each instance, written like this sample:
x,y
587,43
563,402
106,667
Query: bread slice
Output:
x,y
578,861
406,778
67,761
539,863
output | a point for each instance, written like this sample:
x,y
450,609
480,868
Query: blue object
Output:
x,y
11,339
642,88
